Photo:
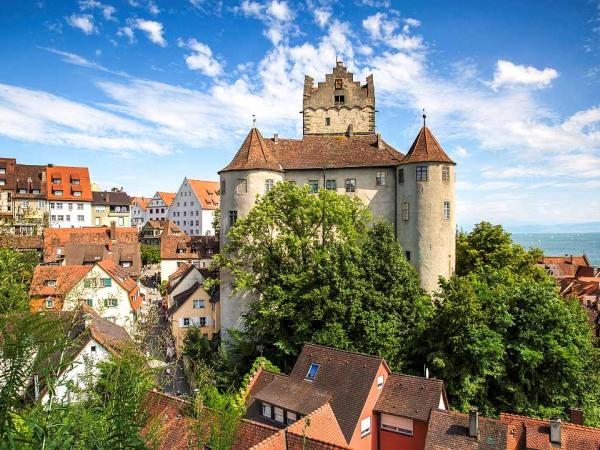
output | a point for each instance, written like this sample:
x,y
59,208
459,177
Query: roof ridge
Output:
x,y
537,419
344,351
437,380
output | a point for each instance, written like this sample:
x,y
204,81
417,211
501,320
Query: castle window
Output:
x,y
242,186
446,210
314,186
407,254
400,175
331,185
327,121
405,211
269,184
421,173
339,83
222,187
351,185
232,217
445,173
380,179
339,99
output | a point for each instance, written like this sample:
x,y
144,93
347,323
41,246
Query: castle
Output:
x,y
340,150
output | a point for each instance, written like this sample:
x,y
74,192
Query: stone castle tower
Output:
x,y
340,150
338,104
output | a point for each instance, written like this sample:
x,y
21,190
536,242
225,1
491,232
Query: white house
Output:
x,y
139,211
158,208
69,197
194,205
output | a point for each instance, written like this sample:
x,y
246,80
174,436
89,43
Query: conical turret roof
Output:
x,y
254,153
426,148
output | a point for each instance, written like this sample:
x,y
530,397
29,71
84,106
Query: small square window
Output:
x,y
49,303
327,121
269,184
365,427
421,173
266,410
90,301
339,99
407,254
405,211
351,185
380,381
2,170
197,304
232,217
241,187
278,413
314,186
186,322
331,185
446,210
339,83
380,178
291,417
93,348
312,372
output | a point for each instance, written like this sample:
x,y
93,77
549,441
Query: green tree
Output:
x,y
16,272
323,275
216,222
150,254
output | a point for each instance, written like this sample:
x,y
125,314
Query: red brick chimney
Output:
x,y
576,416
113,231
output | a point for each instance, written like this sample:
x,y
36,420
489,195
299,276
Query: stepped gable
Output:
x,y
426,148
254,153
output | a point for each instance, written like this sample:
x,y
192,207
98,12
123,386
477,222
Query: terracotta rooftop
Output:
x,y
56,281
207,193
167,197
74,183
426,148
449,430
412,397
320,425
578,260
143,202
527,433
254,153
250,433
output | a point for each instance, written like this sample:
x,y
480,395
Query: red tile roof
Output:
x,y
410,396
426,148
578,260
254,153
29,178
250,433
320,425
168,422
167,197
141,201
66,176
66,278
528,433
207,193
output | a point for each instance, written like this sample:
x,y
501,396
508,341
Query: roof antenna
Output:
x,y
424,117
253,121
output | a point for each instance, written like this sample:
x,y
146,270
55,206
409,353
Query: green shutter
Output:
x,y
107,282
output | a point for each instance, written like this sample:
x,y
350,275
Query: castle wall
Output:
x,y
428,237
362,120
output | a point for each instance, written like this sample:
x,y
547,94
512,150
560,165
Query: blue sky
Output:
x,y
145,92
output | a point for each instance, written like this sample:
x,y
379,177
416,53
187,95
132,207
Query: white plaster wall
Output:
x,y
83,365
427,235
157,209
186,210
69,208
206,222
167,267
139,216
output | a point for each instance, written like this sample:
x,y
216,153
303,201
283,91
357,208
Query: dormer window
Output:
x,y
56,180
76,193
75,181
339,99
50,283
312,372
2,170
339,83
266,410
49,303
58,193
35,191
22,191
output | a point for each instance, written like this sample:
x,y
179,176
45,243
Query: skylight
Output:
x,y
312,372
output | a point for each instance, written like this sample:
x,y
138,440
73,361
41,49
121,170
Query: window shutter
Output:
x,y
209,321
181,322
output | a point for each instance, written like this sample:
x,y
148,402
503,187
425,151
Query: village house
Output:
x,y
7,189
30,200
95,338
158,208
103,286
109,207
153,231
69,196
139,211
181,280
194,205
89,245
178,250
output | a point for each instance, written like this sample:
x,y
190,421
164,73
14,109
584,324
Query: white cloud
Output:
x,y
202,59
280,11
461,152
107,10
510,74
83,22
38,116
153,30
381,28
322,16
127,32
276,15
153,8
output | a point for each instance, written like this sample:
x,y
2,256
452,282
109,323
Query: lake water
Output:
x,y
557,244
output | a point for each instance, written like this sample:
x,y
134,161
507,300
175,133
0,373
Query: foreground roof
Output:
x,y
426,148
449,430
207,193
64,279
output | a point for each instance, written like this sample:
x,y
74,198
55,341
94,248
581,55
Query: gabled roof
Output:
x,y
250,433
577,260
166,197
410,396
66,278
30,177
449,430
346,376
426,148
141,201
254,153
320,425
110,198
207,193
118,274
67,175
194,291
528,433
108,334
296,396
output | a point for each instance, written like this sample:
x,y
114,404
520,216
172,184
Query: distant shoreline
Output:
x,y
562,243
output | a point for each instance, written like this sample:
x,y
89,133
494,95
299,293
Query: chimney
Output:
x,y
350,130
474,422
87,320
576,416
379,141
50,165
555,431
275,137
113,231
